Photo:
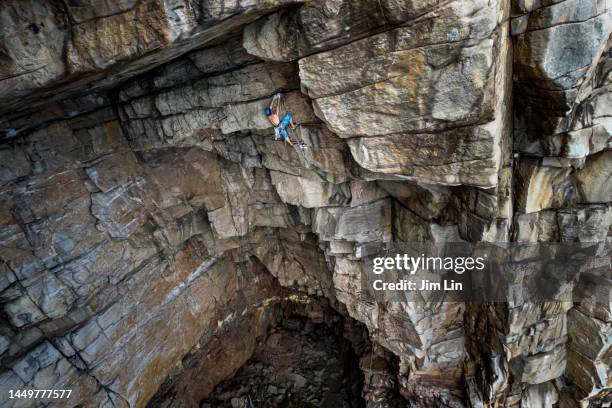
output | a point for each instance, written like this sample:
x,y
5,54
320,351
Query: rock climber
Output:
x,y
272,112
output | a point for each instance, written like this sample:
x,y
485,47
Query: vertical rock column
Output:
x,y
562,170
424,99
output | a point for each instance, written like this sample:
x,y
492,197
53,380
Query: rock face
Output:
x,y
159,248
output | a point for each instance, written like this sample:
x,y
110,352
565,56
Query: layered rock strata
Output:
x,y
158,247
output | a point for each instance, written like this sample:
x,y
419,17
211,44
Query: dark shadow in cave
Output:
x,y
288,350
299,364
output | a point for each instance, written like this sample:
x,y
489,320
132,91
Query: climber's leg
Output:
x,y
285,135
293,124
287,121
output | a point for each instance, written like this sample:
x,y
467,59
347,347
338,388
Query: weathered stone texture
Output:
x,y
154,236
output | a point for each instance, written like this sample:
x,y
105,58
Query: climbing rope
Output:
x,y
297,140
283,111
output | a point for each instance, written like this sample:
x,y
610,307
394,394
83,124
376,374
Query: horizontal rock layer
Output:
x,y
155,238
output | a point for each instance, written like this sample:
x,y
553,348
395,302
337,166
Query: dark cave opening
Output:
x,y
309,356
274,347
299,363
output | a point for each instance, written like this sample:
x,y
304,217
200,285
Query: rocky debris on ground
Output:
x,y
158,246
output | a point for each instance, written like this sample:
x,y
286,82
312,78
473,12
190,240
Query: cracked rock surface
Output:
x,y
159,248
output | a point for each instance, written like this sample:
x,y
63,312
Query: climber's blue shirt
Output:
x,y
281,129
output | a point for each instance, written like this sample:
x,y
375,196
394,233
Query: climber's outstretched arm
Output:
x,y
277,98
275,104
